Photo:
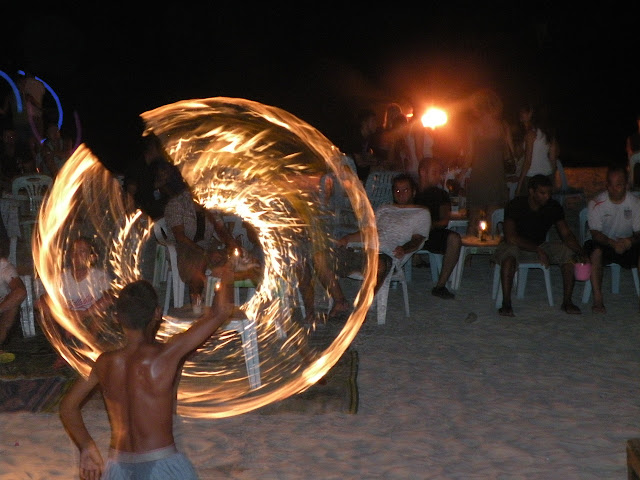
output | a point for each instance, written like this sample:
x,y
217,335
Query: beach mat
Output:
x,y
337,392
32,394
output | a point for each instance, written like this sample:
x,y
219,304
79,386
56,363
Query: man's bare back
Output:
x,y
137,383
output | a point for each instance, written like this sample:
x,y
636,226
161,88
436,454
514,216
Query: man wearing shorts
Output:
x,y
527,221
614,222
402,228
138,384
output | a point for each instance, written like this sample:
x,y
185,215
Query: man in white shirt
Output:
x,y
614,222
402,228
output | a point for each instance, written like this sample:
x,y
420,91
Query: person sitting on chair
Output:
x,y
527,221
441,240
614,222
402,229
12,294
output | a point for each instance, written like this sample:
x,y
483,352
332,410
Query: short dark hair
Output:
x,y
405,177
136,305
617,167
539,181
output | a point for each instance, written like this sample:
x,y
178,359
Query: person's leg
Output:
x,y
568,282
385,263
560,254
329,280
450,259
596,280
507,272
7,319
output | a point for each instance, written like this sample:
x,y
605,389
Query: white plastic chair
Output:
x,y
176,287
34,187
26,309
396,274
522,272
565,190
584,235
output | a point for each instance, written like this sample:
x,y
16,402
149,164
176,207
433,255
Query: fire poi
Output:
x,y
242,158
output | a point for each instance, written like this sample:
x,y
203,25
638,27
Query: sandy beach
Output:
x,y
453,392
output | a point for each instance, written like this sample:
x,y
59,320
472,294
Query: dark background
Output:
x,y
323,63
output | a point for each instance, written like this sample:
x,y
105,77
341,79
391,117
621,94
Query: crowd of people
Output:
x,y
492,154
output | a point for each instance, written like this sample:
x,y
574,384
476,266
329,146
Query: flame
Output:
x,y
239,157
434,117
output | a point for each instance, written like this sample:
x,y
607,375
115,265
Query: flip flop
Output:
x,y
7,357
598,309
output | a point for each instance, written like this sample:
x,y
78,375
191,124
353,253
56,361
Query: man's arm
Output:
x,y
181,344
91,463
569,238
17,293
411,246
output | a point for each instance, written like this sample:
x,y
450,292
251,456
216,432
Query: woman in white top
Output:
x,y
86,289
540,151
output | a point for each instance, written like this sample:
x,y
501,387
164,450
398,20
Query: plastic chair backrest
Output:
x,y
160,231
35,187
564,186
497,222
379,186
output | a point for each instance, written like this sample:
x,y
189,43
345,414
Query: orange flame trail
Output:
x,y
242,158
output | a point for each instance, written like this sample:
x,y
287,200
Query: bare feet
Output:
x,y
570,308
598,309
506,311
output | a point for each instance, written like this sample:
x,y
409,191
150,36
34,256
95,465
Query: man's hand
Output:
x,y
91,463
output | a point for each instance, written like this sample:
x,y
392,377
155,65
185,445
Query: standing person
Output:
x,y
614,222
441,239
489,143
138,385
633,150
527,221
540,149
393,139
362,143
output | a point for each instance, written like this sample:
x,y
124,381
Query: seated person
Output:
x,y
202,242
12,293
614,222
86,288
441,240
527,221
402,229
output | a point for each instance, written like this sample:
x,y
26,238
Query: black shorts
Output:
x,y
628,259
437,241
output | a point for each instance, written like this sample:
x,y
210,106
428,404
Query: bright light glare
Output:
x,y
434,117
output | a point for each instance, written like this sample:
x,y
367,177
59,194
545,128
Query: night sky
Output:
x,y
110,65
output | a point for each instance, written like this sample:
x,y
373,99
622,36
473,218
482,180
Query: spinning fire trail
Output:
x,y
240,158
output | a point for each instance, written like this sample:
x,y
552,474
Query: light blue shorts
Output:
x,y
161,464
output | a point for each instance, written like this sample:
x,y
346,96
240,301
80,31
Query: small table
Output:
x,y
472,245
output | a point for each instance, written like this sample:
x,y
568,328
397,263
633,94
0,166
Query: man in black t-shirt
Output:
x,y
527,221
441,239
